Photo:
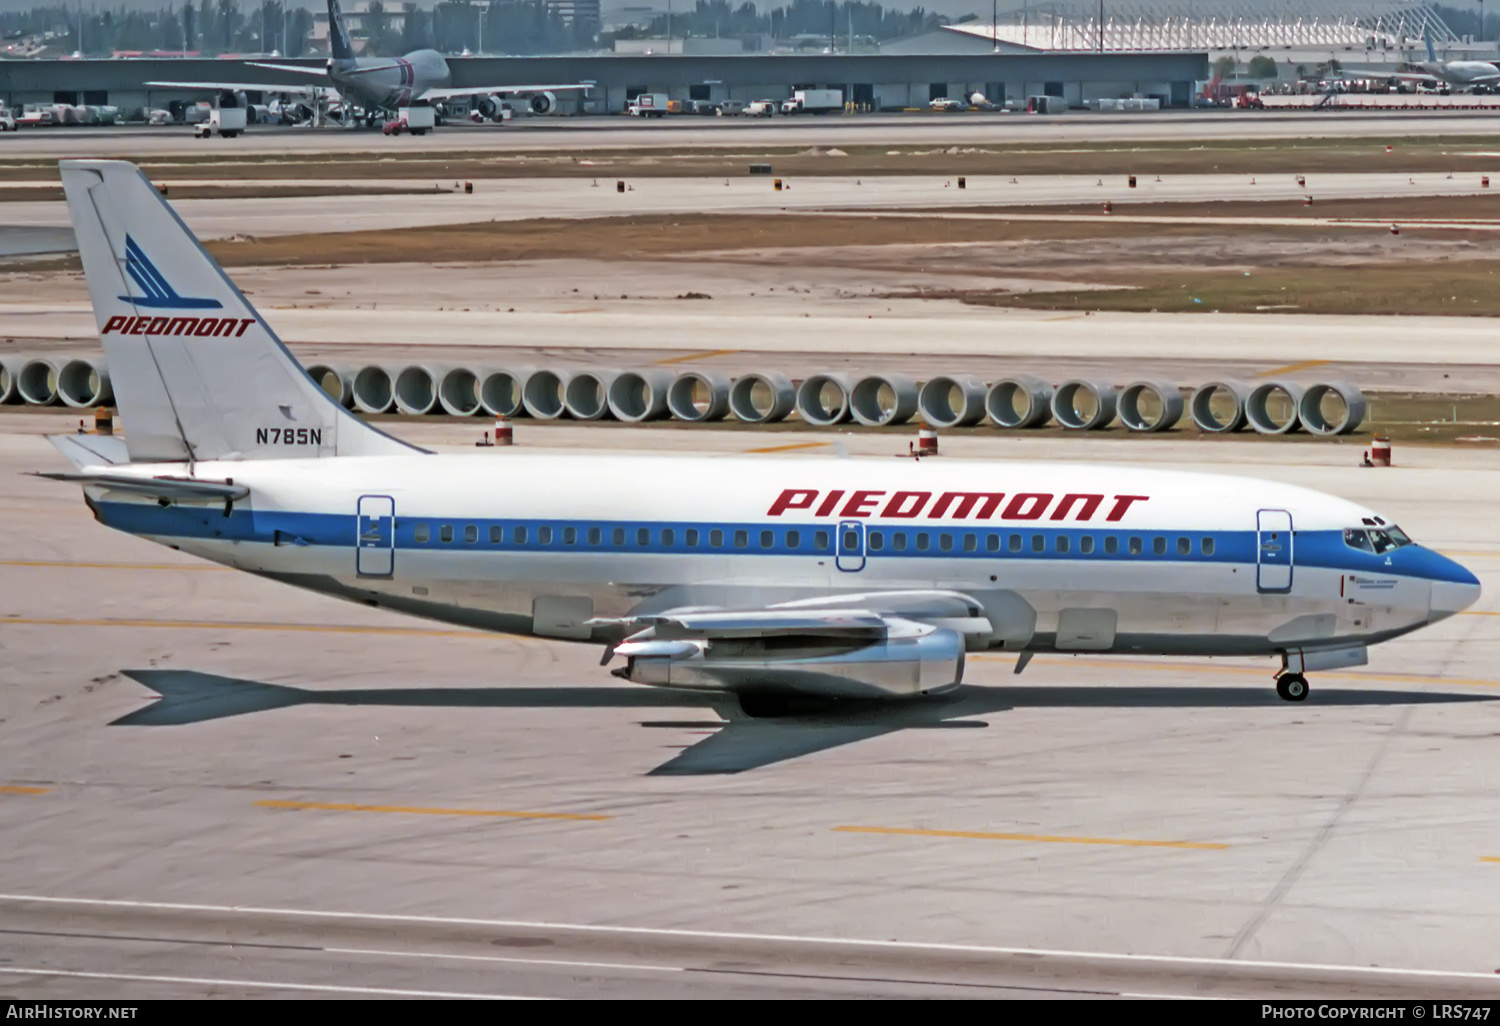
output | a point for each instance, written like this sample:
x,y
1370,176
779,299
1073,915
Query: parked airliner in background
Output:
x,y
772,579
387,84
1461,74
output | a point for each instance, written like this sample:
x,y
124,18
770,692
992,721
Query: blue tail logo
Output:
x,y
159,294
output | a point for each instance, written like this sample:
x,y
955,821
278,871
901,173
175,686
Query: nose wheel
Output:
x,y
1292,687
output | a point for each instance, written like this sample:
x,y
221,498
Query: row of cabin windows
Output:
x,y
920,541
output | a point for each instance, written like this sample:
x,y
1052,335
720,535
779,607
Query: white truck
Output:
x,y
649,105
223,121
814,101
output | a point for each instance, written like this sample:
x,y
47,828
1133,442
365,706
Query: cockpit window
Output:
x,y
1378,540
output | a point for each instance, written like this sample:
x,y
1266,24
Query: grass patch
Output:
x,y
1453,288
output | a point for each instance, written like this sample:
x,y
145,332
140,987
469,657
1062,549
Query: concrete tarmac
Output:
x,y
515,199
214,785
918,128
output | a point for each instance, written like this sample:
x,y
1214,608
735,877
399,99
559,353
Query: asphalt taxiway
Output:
x,y
214,785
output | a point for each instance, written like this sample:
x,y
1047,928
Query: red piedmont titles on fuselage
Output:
x,y
202,327
905,505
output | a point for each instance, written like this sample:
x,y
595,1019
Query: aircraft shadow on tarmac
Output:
x,y
738,743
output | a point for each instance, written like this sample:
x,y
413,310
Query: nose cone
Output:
x,y
1454,588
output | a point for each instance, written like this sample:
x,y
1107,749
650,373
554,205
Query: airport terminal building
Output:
x,y
879,81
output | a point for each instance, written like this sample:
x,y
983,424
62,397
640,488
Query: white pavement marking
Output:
x,y
514,961
647,931
264,984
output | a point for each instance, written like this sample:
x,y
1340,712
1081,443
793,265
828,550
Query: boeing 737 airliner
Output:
x,y
769,579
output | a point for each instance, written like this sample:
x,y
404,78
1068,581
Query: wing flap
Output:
x,y
437,95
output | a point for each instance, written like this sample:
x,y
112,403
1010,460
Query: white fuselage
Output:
x,y
1064,557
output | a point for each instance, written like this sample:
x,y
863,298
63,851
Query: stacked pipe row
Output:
x,y
831,398
66,381
762,397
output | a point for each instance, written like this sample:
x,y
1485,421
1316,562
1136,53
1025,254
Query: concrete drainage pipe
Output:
x,y
500,392
1150,405
373,391
640,395
9,393
338,385
1218,407
82,383
823,399
417,390
542,395
586,394
37,382
762,397
699,396
946,402
879,399
1019,402
1084,405
458,392
1272,407
1332,408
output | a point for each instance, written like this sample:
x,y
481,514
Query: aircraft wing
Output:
x,y
238,87
438,95
296,69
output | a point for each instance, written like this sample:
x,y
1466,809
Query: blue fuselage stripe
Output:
x,y
1318,549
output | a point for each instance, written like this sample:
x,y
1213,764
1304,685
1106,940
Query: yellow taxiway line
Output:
x,y
977,835
789,448
17,789
1291,368
690,357
418,810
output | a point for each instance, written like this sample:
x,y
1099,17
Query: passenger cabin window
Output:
x,y
445,533
544,536
1038,543
1086,544
741,539
876,540
1207,546
767,539
851,541
422,534
945,542
992,543
1062,543
643,536
617,536
716,538
1015,543
1184,547
1159,546
820,541
898,541
1135,547
923,541
518,535
570,536
668,537
595,536
1111,545
471,534
496,533
971,543
794,539
691,537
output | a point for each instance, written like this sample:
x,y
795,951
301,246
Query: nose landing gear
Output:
x,y
1292,687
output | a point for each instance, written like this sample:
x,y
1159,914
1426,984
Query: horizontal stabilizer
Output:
x,y
91,450
170,488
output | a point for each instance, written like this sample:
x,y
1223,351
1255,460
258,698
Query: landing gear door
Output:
x,y
850,553
1273,551
375,542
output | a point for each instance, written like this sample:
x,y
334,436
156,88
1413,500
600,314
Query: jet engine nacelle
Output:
x,y
494,108
543,103
912,659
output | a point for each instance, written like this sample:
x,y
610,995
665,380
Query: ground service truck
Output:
x,y
814,101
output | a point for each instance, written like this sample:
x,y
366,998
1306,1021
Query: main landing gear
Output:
x,y
1292,687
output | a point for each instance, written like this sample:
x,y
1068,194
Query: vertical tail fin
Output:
x,y
1426,38
197,374
338,39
